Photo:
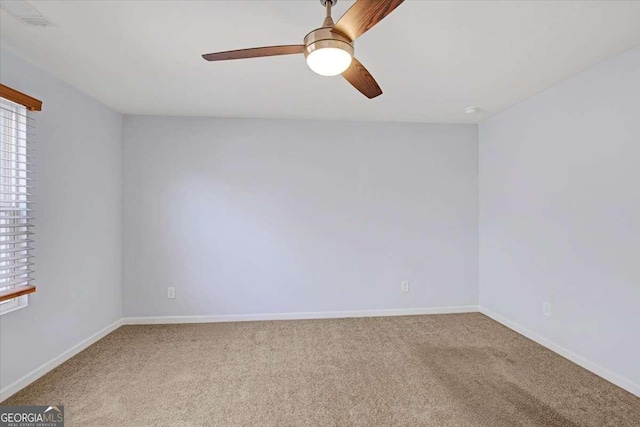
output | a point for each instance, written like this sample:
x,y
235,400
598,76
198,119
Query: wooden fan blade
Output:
x,y
362,80
256,52
363,15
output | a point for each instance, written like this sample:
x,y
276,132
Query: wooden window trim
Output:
x,y
16,292
31,103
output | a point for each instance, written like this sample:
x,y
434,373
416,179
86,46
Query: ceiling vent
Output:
x,y
25,13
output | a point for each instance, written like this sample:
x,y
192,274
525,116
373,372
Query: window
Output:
x,y
16,184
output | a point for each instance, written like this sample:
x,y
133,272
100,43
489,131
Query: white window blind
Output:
x,y
17,129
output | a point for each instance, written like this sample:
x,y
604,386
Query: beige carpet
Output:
x,y
441,370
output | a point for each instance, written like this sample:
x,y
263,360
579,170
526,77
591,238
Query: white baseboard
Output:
x,y
296,316
18,385
616,379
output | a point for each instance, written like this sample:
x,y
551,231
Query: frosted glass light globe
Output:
x,y
329,61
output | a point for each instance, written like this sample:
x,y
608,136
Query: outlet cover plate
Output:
x,y
546,308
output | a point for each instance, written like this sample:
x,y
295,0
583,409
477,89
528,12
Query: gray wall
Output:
x,y
560,214
78,223
269,216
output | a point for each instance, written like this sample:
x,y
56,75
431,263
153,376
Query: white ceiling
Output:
x,y
431,58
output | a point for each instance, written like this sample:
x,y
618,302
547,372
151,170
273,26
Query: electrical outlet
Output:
x,y
171,293
546,308
404,286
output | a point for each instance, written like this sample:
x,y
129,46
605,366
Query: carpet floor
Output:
x,y
437,370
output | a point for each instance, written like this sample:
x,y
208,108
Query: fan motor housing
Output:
x,y
323,37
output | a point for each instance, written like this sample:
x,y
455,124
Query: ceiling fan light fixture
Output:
x,y
329,61
327,54
329,49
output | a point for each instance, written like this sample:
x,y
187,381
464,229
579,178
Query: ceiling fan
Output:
x,y
329,49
